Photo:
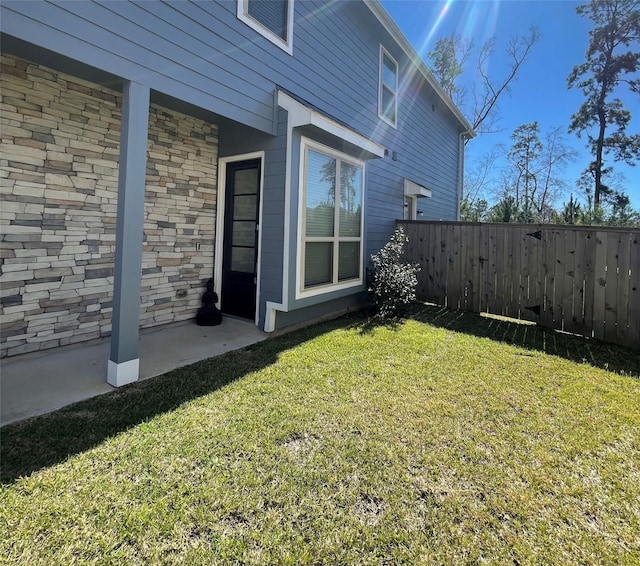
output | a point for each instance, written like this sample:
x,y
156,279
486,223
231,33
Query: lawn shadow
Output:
x,y
612,357
372,322
43,441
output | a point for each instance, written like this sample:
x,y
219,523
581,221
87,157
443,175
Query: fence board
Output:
x,y
475,270
536,277
527,246
440,291
548,266
568,286
558,277
611,288
633,306
430,272
622,298
455,281
600,282
576,322
491,265
415,253
591,242
499,272
513,274
519,285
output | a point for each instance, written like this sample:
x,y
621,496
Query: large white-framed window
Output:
x,y
273,19
331,214
388,88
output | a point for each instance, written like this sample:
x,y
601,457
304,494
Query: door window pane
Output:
x,y
242,259
320,195
246,182
244,207
318,267
350,199
244,233
349,261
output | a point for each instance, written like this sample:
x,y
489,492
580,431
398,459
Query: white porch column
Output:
x,y
123,360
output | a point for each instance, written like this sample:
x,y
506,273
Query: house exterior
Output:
x,y
148,146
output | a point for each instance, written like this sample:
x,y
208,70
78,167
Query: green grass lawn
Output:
x,y
448,439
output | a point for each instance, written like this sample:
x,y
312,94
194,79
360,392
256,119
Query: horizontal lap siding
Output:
x,y
152,57
202,53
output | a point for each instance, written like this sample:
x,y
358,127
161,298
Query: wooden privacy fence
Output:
x,y
580,279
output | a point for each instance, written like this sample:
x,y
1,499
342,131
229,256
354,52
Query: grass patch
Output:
x,y
447,439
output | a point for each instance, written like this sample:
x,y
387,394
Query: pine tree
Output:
x,y
609,62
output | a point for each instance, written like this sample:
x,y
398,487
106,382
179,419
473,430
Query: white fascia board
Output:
x,y
412,189
385,19
301,115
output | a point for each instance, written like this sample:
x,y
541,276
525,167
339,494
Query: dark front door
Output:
x,y
240,255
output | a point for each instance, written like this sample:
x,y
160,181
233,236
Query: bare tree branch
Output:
x,y
484,105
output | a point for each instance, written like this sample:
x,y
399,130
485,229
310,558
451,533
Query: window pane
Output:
x,y
388,104
349,261
244,207
242,259
244,233
318,266
389,72
320,194
350,199
246,182
272,14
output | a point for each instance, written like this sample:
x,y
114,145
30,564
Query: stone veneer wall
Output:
x,y
58,180
180,222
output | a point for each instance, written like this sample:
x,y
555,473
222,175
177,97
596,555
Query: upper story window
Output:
x,y
388,88
332,187
272,19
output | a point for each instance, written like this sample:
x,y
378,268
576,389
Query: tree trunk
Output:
x,y
599,147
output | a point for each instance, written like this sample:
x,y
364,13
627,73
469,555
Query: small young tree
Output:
x,y
392,283
524,154
571,212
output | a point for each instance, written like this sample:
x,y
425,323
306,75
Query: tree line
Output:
x,y
531,187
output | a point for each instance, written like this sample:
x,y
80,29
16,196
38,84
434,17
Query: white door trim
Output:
x,y
219,237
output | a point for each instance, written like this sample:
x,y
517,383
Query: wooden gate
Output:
x,y
580,279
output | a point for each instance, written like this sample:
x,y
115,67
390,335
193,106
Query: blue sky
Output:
x,y
540,92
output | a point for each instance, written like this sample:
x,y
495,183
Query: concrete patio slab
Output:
x,y
41,382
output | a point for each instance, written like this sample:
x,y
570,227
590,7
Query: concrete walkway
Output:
x,y
38,383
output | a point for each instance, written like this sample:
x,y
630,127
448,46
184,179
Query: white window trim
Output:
x,y
381,115
285,45
301,292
